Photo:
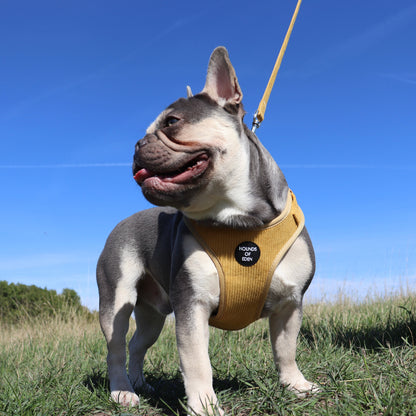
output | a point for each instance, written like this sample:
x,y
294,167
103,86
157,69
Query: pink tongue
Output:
x,y
142,175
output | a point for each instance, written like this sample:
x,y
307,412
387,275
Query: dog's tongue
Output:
x,y
141,175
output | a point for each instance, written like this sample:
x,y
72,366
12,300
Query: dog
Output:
x,y
207,172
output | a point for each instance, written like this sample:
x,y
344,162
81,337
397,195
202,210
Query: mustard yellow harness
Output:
x,y
245,261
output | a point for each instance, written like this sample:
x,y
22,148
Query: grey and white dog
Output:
x,y
200,161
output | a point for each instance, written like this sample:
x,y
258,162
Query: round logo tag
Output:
x,y
247,253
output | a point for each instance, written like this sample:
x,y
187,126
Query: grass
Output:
x,y
363,355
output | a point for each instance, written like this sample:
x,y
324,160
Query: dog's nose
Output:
x,y
141,143
148,138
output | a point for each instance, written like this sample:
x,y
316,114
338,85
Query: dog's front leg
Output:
x,y
192,333
115,324
284,329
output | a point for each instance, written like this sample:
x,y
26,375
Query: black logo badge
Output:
x,y
247,253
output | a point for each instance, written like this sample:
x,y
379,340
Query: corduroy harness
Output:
x,y
245,261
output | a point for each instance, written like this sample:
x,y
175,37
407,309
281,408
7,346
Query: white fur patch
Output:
x,y
131,270
152,128
296,266
291,274
229,193
205,281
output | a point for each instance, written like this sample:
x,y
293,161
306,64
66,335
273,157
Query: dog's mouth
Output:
x,y
187,173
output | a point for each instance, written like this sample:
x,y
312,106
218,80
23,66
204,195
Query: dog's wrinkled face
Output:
x,y
176,157
192,151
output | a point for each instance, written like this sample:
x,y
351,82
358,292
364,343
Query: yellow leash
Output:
x,y
259,115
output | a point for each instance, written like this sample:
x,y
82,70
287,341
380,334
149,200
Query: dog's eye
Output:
x,y
170,121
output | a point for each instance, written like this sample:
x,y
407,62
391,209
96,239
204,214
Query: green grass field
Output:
x,y
363,355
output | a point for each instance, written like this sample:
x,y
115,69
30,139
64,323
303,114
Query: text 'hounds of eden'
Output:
x,y
247,253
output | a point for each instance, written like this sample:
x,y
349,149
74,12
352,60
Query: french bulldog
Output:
x,y
199,163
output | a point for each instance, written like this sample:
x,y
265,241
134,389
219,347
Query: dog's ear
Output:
x,y
189,91
221,83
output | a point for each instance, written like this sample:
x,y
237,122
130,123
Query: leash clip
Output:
x,y
256,123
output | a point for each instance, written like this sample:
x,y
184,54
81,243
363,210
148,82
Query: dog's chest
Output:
x,y
245,261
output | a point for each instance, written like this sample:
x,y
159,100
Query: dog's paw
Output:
x,y
211,411
205,409
125,398
303,388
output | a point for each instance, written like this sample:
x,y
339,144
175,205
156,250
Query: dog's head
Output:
x,y
199,157
191,152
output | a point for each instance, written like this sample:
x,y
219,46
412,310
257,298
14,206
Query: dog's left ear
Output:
x,y
221,83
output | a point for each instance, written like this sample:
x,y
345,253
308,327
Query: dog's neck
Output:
x,y
252,197
270,188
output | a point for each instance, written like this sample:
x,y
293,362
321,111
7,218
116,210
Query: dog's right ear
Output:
x,y
221,83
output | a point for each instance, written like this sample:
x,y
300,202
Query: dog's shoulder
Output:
x,y
147,222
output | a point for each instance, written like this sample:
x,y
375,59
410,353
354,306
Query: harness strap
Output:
x,y
246,261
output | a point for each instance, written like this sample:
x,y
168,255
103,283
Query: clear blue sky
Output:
x,y
81,80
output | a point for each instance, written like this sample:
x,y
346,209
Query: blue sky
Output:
x,y
81,81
